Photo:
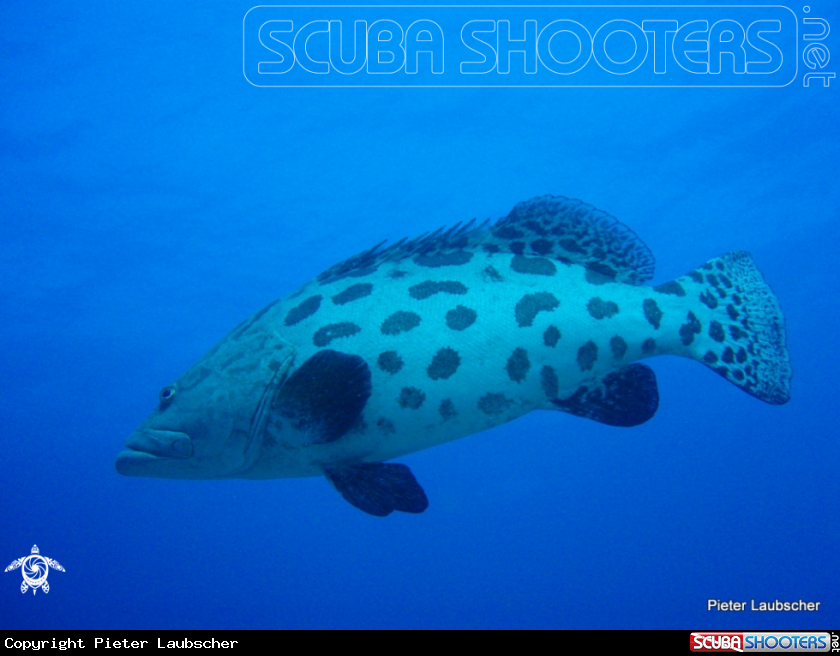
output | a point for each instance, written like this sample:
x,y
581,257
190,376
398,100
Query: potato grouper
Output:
x,y
404,347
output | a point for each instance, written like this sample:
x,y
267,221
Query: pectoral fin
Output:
x,y
325,395
379,488
627,397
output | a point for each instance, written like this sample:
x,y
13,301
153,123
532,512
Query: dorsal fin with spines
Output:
x,y
556,227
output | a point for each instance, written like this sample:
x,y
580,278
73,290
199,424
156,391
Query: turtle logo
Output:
x,y
35,570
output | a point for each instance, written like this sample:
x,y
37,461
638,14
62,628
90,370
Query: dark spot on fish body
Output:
x,y
444,364
652,312
738,375
491,248
447,409
741,355
491,274
689,329
493,404
598,273
436,260
726,281
551,336
648,346
716,331
518,365
571,246
400,322
517,247
696,276
328,333
461,318
618,347
431,287
538,266
728,355
713,281
707,299
710,357
670,287
598,308
720,265
353,293
549,382
732,312
736,299
306,309
736,332
532,304
411,397
397,273
542,246
390,361
587,355
534,226
386,426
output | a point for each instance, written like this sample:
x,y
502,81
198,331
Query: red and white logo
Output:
x,y
717,642
753,641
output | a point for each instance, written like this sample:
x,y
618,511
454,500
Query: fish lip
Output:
x,y
159,444
131,463
148,447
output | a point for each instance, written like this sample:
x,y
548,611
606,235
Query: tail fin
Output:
x,y
744,339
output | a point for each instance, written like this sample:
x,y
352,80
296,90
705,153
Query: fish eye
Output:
x,y
167,394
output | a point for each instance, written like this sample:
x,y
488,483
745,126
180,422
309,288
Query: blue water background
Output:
x,y
151,199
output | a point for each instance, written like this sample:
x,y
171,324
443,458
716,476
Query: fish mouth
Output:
x,y
147,446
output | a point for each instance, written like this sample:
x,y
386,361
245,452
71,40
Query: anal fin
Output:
x,y
627,397
379,488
